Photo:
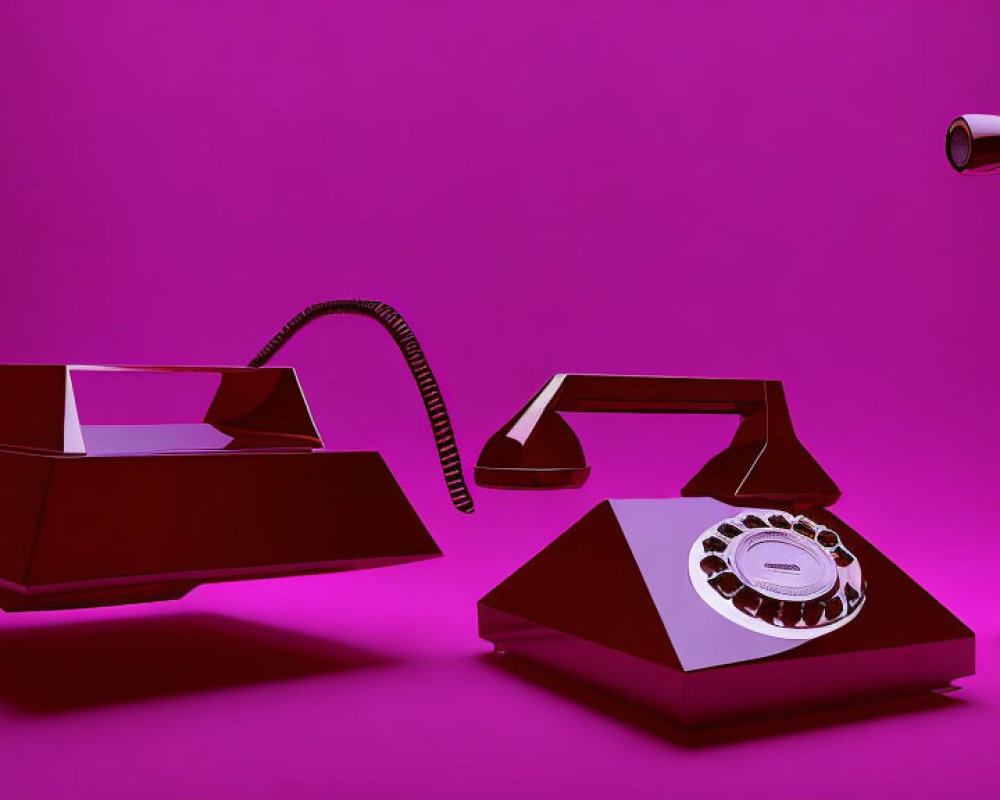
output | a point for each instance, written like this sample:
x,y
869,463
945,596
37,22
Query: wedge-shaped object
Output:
x,y
611,602
109,514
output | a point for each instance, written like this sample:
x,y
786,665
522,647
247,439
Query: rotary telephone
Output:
x,y
743,597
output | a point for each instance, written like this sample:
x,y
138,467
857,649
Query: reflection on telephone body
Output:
x,y
744,597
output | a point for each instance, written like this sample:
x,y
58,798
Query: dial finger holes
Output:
x,y
812,612
713,565
790,613
852,595
726,584
768,610
713,544
827,538
748,601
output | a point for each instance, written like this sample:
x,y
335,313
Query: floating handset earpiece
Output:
x,y
973,143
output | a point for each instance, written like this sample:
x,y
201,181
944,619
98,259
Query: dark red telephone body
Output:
x,y
744,598
102,515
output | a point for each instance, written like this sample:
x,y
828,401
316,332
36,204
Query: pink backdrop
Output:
x,y
739,191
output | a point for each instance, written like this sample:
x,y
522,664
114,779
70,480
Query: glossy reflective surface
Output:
x,y
113,514
973,143
613,601
764,461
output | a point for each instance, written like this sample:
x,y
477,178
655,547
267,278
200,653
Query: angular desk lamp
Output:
x,y
745,597
104,515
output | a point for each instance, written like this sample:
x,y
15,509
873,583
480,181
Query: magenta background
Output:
x,y
743,191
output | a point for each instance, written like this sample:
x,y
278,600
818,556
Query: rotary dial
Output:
x,y
777,573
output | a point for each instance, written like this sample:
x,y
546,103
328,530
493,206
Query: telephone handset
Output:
x,y
108,514
764,461
706,606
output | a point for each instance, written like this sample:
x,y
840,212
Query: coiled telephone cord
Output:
x,y
430,393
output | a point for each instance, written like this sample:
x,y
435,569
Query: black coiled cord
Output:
x,y
437,413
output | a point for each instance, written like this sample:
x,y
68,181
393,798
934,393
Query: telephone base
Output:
x,y
610,603
83,530
13,601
